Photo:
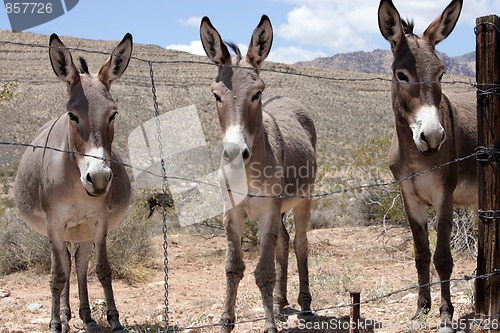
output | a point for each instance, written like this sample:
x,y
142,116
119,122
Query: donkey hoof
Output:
x,y
92,327
227,325
55,327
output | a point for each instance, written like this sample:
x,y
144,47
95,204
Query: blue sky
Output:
x,y
303,29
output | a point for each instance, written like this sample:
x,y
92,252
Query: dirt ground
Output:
x,y
371,260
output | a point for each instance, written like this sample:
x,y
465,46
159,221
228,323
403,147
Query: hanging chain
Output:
x,y
164,190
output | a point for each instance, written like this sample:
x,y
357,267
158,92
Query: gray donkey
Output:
x,y
273,143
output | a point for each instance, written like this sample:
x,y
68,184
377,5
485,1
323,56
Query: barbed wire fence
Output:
x,y
481,153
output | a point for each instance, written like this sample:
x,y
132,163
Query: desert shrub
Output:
x,y
7,91
332,208
251,232
465,232
21,248
6,203
379,203
129,246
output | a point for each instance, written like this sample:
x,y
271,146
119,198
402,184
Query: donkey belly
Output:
x,y
465,194
292,138
287,204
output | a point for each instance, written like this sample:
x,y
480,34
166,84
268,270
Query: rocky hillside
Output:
x,y
346,107
379,61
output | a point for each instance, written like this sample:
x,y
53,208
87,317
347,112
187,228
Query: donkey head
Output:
x,y
91,111
238,88
417,72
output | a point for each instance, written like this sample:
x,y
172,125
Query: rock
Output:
x,y
4,293
9,300
34,307
41,321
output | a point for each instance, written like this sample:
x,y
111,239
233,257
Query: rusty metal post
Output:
x,y
355,311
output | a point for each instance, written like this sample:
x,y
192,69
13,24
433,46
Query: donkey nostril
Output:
x,y
225,155
246,154
89,179
422,137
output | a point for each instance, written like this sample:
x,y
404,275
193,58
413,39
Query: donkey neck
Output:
x,y
267,149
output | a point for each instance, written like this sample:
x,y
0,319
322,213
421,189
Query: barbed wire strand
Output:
x,y
266,69
219,188
490,214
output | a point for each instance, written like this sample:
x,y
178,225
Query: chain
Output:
x,y
164,190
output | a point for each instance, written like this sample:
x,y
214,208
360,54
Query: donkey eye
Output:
x,y
72,117
402,77
217,98
256,96
113,116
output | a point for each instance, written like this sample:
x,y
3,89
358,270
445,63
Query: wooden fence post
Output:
x,y
487,294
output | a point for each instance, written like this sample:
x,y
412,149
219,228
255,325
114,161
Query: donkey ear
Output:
x,y
389,23
445,23
212,43
62,62
261,42
117,62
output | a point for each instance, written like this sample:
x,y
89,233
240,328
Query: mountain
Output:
x,y
379,61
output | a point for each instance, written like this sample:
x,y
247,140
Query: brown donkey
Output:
x,y
83,192
431,130
273,145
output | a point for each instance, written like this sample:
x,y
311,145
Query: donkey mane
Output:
x,y
84,68
408,26
236,50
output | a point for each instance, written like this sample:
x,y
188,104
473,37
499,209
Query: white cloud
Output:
x,y
291,55
343,26
194,47
338,25
477,8
193,21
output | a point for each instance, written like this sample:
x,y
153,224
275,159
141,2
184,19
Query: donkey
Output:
x,y
270,142
430,130
81,194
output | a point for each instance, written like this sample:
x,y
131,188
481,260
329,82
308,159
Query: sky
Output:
x,y
303,29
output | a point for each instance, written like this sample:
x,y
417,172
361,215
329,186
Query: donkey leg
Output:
x,y
302,216
417,219
58,277
282,250
65,311
235,267
265,272
443,260
104,272
82,256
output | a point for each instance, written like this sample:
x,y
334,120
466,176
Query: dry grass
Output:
x,y
129,246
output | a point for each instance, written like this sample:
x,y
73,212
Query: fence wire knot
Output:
x,y
487,154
